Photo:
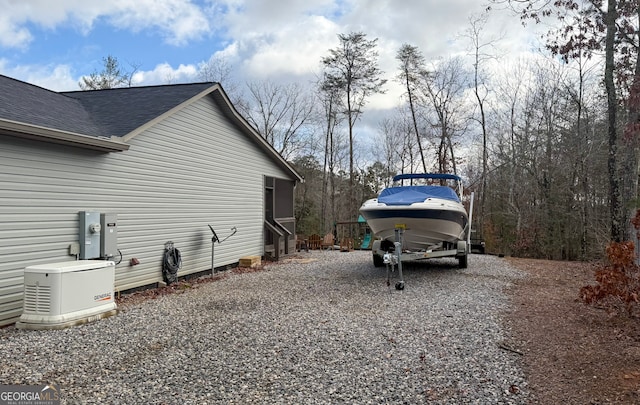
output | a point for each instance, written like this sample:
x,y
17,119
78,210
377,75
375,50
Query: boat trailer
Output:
x,y
394,258
383,254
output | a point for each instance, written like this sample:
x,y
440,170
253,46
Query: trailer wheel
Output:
x,y
378,261
462,261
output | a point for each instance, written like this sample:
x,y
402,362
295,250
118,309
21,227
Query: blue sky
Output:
x,y
84,52
54,43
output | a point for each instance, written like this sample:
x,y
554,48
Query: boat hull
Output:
x,y
425,224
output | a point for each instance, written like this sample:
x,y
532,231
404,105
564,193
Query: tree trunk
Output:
x,y
415,125
617,223
325,179
630,189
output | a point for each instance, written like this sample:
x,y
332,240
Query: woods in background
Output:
x,y
548,144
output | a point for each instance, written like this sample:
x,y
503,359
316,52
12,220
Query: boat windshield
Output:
x,y
412,194
429,179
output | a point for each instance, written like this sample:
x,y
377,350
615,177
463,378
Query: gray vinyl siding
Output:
x,y
192,169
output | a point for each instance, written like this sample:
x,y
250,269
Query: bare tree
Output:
x,y
110,77
353,67
547,171
386,143
218,69
412,73
398,145
481,92
614,31
511,149
582,90
444,90
330,99
617,221
280,113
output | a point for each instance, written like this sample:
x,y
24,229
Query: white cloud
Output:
x,y
267,17
61,77
56,78
296,49
282,40
178,21
278,40
289,40
165,74
12,35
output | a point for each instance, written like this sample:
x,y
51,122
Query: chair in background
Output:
x,y
315,241
302,243
346,245
328,241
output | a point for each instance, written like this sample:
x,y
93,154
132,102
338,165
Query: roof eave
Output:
x,y
28,131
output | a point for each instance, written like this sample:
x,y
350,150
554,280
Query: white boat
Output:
x,y
428,212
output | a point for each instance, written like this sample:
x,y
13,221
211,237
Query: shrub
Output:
x,y
618,282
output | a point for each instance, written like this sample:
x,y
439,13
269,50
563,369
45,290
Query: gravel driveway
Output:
x,y
322,327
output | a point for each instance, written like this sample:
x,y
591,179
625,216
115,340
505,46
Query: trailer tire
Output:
x,y
387,246
462,261
378,261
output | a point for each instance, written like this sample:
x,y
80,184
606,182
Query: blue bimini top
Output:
x,y
412,194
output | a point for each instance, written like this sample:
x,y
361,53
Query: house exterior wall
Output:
x,y
192,169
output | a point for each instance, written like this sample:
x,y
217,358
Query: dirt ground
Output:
x,y
572,353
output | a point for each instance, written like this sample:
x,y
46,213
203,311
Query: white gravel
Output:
x,y
322,328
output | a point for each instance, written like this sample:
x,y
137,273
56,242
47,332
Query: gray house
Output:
x,y
166,160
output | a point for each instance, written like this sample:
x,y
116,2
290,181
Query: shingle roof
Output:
x,y
98,113
29,104
116,112
100,119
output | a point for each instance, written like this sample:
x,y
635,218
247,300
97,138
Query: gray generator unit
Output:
x,y
64,294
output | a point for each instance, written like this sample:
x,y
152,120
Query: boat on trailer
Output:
x,y
421,216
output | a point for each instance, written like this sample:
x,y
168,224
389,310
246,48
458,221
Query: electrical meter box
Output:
x,y
59,295
89,234
108,236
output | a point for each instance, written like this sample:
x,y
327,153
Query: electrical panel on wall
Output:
x,y
109,235
89,234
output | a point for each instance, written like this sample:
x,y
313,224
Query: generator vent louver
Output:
x,y
63,294
37,298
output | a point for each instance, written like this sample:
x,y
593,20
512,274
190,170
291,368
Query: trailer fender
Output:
x,y
461,249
